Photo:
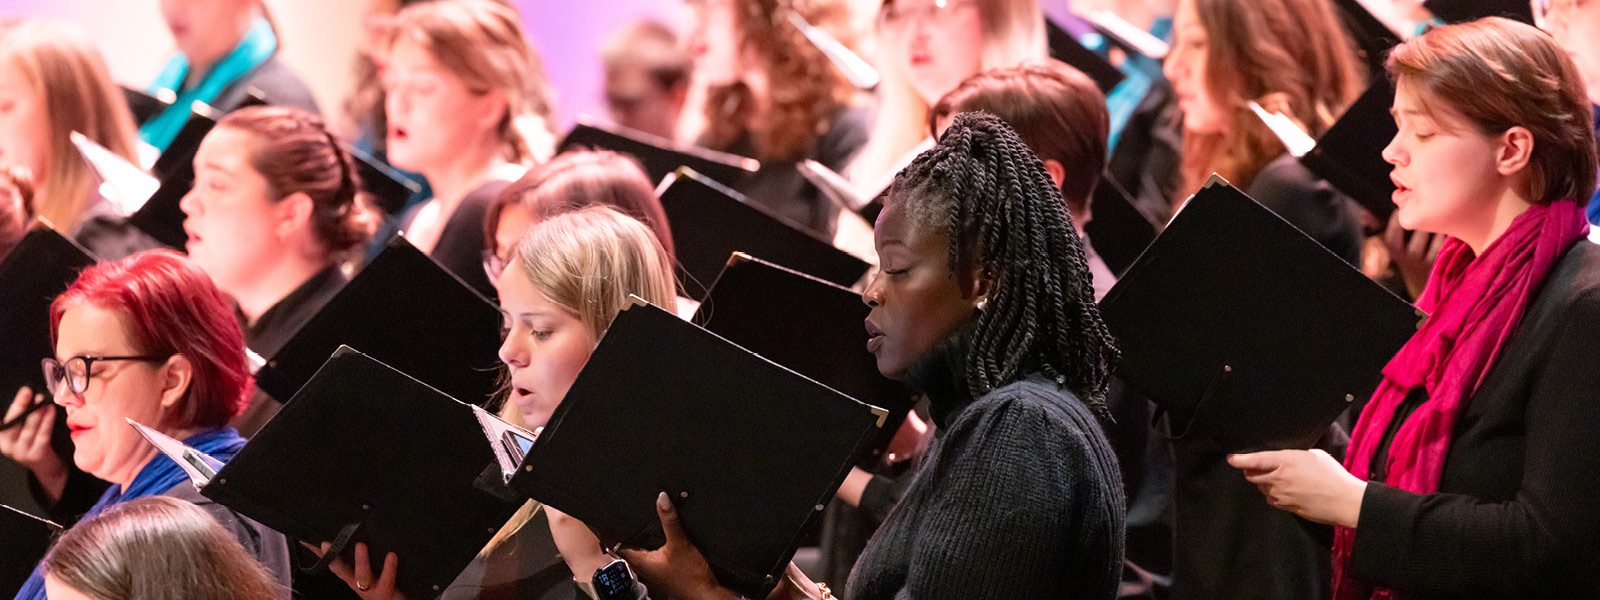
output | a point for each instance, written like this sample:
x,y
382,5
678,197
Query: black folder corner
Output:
x,y
806,324
406,310
659,156
37,270
1350,154
390,189
749,451
1065,48
1117,229
1461,11
369,454
145,106
710,222
27,539
1244,330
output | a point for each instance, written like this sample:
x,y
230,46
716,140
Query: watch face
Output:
x,y
614,581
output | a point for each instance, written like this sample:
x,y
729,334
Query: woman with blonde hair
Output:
x,y
567,279
154,548
468,107
54,82
924,49
774,96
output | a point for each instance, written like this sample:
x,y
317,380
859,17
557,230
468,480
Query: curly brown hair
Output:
x,y
806,90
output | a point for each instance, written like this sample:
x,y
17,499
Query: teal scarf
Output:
x,y
255,48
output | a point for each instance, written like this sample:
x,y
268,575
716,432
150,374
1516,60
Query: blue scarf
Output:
x,y
157,476
1594,201
255,48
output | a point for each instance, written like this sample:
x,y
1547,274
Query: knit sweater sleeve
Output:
x,y
1007,515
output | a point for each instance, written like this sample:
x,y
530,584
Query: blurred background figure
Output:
x,y
647,78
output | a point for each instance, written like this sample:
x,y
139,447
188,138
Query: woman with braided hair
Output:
x,y
275,210
984,304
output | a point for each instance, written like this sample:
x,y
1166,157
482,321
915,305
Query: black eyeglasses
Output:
x,y
74,373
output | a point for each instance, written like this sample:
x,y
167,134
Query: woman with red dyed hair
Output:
x,y
149,338
1474,470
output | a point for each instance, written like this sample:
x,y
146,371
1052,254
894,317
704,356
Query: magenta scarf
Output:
x,y
1473,303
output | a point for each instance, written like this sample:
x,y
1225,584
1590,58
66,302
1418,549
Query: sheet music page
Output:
x,y
509,442
199,466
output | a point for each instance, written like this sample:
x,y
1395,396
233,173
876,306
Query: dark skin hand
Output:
x,y
917,301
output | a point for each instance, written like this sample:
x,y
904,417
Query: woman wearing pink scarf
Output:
x,y
1474,470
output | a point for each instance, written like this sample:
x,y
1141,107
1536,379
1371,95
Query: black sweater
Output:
x,y
1018,497
1517,514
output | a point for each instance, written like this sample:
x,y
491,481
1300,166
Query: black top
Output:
x,y
1018,497
1311,205
460,246
1515,513
274,328
278,86
778,185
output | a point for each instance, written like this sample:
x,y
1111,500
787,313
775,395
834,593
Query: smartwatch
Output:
x,y
614,582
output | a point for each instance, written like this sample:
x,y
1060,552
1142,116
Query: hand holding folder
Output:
x,y
1244,330
750,451
366,454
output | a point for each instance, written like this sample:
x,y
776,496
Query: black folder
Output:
x,y
805,324
146,106
406,310
390,189
710,222
1373,38
161,216
27,539
1350,154
365,453
1065,48
749,451
1117,229
1246,331
660,156
1461,11
37,270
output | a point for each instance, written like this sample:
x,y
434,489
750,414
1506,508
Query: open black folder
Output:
x,y
1246,331
406,310
26,539
749,451
37,270
806,324
659,156
710,222
365,453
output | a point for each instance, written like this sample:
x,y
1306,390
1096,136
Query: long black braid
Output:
x,y
1006,218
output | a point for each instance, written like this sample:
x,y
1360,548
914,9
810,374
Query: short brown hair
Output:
x,y
294,151
582,178
1496,73
1054,108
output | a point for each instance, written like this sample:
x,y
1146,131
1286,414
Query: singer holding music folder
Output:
x,y
150,338
983,304
1474,470
566,280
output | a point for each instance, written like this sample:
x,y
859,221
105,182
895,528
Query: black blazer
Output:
x,y
281,86
1517,514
